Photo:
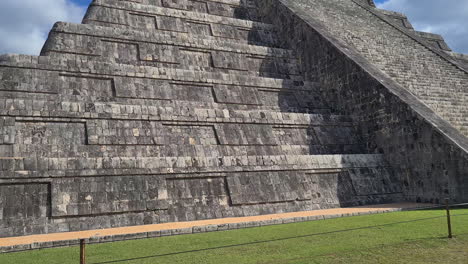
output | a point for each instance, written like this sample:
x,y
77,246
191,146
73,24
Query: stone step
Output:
x,y
177,113
190,3
272,135
46,93
176,149
117,14
167,50
36,104
90,166
54,133
237,9
71,80
80,66
117,190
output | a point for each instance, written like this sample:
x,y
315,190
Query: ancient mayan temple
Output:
x,y
156,111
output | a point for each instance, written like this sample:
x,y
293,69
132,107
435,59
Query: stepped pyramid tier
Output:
x,y
156,111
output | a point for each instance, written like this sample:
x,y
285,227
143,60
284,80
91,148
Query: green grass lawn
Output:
x,y
309,242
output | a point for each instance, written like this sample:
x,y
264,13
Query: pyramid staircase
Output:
x,y
156,111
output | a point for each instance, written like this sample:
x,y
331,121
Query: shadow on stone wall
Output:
x,y
346,188
429,153
307,100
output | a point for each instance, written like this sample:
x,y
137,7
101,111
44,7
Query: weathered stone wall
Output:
x,y
159,111
340,45
433,78
461,58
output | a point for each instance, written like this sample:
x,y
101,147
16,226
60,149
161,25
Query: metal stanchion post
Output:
x,y
82,251
449,224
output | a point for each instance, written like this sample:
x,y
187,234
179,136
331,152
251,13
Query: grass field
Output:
x,y
309,242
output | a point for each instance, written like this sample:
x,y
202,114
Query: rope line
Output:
x,y
435,206
272,240
295,237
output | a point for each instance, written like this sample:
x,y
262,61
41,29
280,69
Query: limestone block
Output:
x,y
188,196
236,95
27,80
171,24
50,133
72,197
233,134
368,181
199,28
271,187
7,131
23,204
229,60
178,4
161,90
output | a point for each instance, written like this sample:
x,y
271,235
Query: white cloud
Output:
x,y
24,24
448,18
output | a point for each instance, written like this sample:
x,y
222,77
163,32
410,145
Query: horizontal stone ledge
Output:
x,y
209,30
27,175
171,38
152,165
176,175
159,10
95,69
233,3
298,121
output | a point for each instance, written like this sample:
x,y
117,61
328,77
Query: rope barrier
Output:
x,y
434,206
276,240
294,237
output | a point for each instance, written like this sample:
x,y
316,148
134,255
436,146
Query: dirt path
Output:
x,y
13,241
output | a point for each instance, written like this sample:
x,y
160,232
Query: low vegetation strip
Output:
x,y
358,239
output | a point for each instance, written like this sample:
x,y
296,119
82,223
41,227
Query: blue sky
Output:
x,y
82,2
24,24
445,17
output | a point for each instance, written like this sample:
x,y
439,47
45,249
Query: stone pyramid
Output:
x,y
156,111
